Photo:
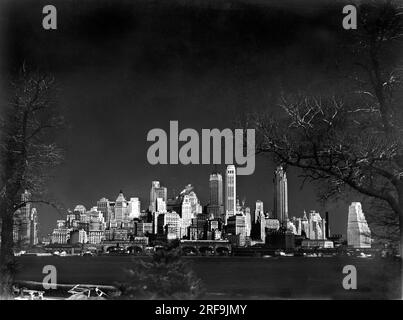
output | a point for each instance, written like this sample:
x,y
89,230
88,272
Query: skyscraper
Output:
x,y
120,207
168,223
133,208
104,206
258,211
156,192
358,232
216,195
161,205
230,192
317,226
33,228
195,203
186,210
237,225
280,196
248,221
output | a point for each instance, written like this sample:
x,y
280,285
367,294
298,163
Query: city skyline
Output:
x,y
269,207
184,218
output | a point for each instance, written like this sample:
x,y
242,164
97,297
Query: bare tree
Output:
x,y
28,154
350,141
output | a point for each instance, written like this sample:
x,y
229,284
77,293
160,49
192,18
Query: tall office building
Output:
x,y
258,211
248,221
312,227
120,207
236,229
33,228
156,192
186,210
96,219
358,232
237,225
161,205
104,206
133,208
280,196
230,192
195,203
216,206
169,224
317,226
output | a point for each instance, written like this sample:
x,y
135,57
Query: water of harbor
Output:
x,y
239,277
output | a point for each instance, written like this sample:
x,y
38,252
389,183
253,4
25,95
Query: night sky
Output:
x,y
126,67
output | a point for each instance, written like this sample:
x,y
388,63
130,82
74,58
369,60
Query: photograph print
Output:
x,y
230,150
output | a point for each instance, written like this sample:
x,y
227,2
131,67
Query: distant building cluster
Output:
x,y
183,217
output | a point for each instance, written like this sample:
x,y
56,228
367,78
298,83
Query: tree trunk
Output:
x,y
6,253
400,191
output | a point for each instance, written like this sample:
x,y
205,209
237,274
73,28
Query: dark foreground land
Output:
x,y
240,277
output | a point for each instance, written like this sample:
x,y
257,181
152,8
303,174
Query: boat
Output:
x,y
84,292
